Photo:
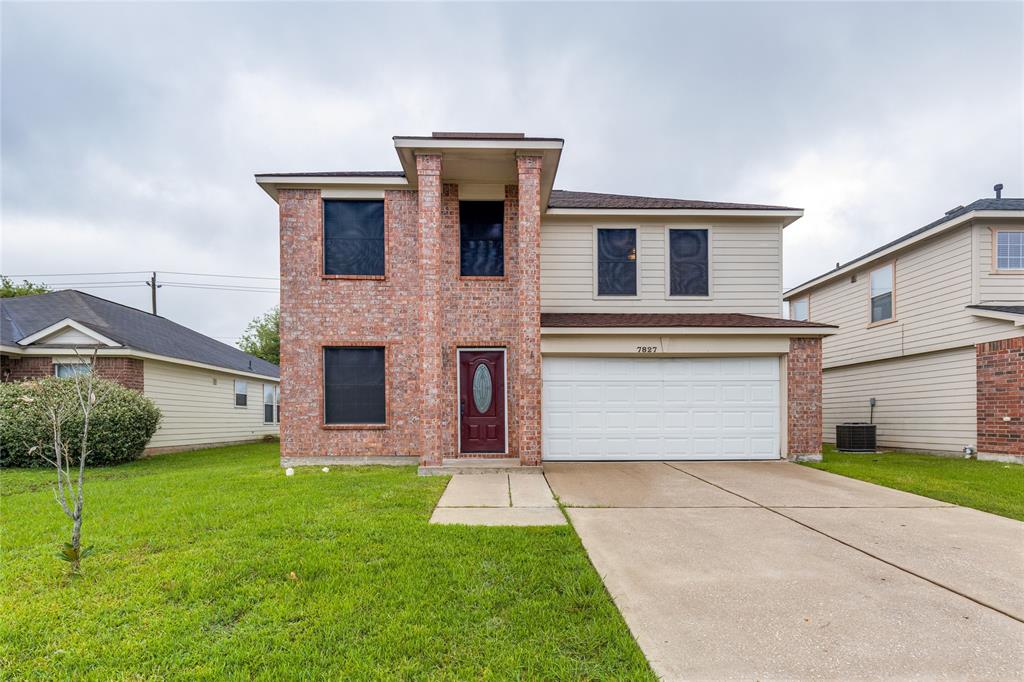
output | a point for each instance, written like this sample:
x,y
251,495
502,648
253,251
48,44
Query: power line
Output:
x,y
143,272
207,274
85,274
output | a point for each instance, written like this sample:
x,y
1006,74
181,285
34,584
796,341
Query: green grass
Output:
x,y
190,579
989,486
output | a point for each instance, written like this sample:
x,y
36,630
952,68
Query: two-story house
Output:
x,y
931,334
463,308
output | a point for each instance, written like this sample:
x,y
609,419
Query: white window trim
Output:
x,y
892,318
235,394
272,403
995,252
792,302
668,263
639,284
57,362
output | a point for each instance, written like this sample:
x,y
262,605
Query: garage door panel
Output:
x,y
661,408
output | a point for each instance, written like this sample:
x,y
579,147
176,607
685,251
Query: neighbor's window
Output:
x,y
881,293
688,262
70,369
482,238
277,404
354,385
1009,250
241,394
799,309
268,403
616,262
354,238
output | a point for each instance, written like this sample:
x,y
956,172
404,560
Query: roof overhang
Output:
x,y
787,217
272,183
1016,318
882,254
482,160
690,331
65,325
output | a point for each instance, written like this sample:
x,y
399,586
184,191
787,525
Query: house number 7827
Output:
x,y
646,349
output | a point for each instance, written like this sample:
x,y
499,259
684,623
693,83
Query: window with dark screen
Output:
x,y
616,262
482,238
354,385
354,238
688,262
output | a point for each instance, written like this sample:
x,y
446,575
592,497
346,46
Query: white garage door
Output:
x,y
661,408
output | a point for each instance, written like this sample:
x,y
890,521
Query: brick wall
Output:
x,y
125,371
803,392
423,310
1000,386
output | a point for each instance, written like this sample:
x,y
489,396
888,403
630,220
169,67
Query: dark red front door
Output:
x,y
482,400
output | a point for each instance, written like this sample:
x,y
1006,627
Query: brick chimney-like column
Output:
x,y
428,168
528,360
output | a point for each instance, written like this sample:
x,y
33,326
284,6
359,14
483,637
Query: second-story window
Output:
x,y
354,238
687,262
1010,250
616,262
481,238
881,293
799,309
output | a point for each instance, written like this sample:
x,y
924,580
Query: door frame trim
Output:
x,y
458,388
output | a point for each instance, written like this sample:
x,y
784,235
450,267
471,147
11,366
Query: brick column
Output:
x,y
428,168
803,396
527,353
1000,366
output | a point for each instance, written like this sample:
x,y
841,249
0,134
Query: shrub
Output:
x,y
122,423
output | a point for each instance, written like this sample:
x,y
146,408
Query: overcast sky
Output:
x,y
131,133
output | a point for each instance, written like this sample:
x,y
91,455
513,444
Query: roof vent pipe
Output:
x,y
999,190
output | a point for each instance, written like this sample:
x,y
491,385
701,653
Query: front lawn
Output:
x,y
191,579
989,486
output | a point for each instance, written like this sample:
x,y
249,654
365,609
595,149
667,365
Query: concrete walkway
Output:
x,y
770,570
498,500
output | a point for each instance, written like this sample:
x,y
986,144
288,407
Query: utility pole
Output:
x,y
154,286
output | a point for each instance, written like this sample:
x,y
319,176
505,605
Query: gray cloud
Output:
x,y
130,133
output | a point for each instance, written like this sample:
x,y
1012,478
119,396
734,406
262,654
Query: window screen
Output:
x,y
482,238
354,238
881,294
616,262
241,394
268,403
354,386
1010,250
688,262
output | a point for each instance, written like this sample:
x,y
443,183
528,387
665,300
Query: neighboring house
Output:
x,y
462,308
931,326
208,392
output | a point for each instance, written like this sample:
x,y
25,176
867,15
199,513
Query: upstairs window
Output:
x,y
616,262
354,238
482,238
354,385
688,262
1010,250
799,309
881,293
241,394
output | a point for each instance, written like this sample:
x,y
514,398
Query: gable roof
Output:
x,y
134,329
951,217
671,320
561,198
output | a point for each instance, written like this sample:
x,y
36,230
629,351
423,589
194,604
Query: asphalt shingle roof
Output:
x,y
1013,309
561,198
23,316
668,320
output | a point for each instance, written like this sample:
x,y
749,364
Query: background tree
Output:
x,y
262,337
9,288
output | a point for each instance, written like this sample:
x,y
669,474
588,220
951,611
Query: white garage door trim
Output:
x,y
661,408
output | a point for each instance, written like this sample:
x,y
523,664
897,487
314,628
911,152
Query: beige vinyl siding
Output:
x,y
197,411
996,287
745,263
924,402
933,286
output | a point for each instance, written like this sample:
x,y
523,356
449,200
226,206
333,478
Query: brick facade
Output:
x,y
1000,387
803,395
422,310
125,371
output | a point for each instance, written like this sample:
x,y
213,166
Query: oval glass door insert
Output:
x,y
482,388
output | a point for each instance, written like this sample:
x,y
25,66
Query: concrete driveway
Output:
x,y
770,570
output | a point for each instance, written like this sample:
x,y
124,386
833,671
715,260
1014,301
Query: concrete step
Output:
x,y
462,465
